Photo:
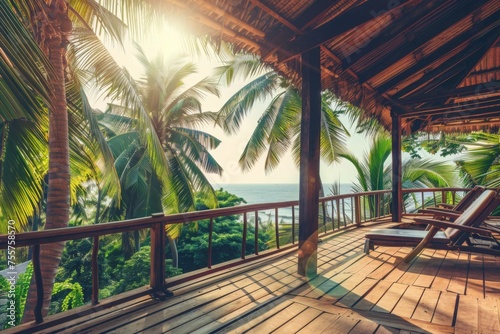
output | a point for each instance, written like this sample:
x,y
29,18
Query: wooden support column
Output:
x,y
397,185
309,163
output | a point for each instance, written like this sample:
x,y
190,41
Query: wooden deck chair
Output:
x,y
452,237
451,211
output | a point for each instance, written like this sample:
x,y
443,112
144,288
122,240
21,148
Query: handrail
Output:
x,y
361,207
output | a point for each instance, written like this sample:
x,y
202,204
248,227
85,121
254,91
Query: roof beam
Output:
x,y
455,117
454,108
346,21
407,20
440,73
422,37
297,27
464,92
488,40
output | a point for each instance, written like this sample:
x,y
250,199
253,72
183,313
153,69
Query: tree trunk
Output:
x,y
59,177
174,251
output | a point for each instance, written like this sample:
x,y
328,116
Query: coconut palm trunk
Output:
x,y
58,192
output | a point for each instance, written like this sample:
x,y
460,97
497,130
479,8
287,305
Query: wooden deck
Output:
x,y
438,292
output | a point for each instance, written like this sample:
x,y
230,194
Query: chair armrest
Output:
x,y
445,224
446,205
440,212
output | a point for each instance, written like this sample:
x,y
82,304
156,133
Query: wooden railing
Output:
x,y
336,212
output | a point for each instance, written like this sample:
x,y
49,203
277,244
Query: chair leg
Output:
x,y
425,241
368,246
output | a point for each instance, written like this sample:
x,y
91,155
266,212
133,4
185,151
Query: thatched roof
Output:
x,y
436,62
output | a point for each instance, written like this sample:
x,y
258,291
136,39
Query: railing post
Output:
x,y
158,243
210,233
37,272
357,209
95,272
244,237
256,235
276,228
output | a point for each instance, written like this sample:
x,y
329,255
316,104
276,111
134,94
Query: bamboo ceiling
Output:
x,y
436,62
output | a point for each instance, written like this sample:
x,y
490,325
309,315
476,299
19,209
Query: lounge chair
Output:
x,y
463,229
451,211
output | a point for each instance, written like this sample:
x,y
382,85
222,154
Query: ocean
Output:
x,y
279,192
269,192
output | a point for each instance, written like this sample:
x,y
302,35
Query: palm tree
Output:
x,y
48,76
480,165
176,115
278,129
374,171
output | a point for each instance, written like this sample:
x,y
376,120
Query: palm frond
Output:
x,y
258,141
239,105
241,65
281,130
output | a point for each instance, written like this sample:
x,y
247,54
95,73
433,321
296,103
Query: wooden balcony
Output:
x,y
438,292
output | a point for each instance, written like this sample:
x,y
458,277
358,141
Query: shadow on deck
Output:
x,y
438,292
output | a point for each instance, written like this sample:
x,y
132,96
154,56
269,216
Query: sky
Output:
x,y
169,43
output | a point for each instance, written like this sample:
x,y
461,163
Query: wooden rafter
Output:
x,y
421,38
340,24
404,21
465,92
460,41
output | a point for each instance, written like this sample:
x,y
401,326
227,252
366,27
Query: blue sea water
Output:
x,y
268,192
280,192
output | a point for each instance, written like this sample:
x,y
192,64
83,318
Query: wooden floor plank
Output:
x,y
340,325
488,321
353,296
387,330
257,317
364,327
491,276
279,319
475,280
427,275
445,309
408,302
458,280
370,299
410,276
427,305
297,323
443,276
390,298
467,315
318,325
391,264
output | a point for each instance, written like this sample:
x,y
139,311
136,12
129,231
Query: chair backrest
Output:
x,y
469,198
475,214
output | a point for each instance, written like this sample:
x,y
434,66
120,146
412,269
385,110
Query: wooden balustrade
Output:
x,y
377,203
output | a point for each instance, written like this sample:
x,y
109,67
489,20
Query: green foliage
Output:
x,y
20,293
224,198
227,235
4,285
135,271
374,172
76,264
73,298
444,144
